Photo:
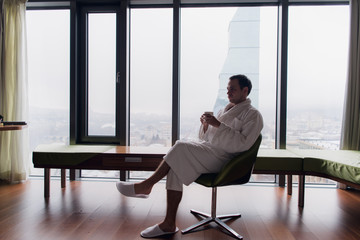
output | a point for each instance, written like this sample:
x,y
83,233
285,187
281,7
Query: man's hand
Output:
x,y
204,123
208,119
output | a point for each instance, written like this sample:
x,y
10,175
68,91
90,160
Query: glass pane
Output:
x,y
317,66
48,42
101,73
217,43
150,79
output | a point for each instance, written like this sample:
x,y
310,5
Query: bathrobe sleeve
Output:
x,y
201,133
241,134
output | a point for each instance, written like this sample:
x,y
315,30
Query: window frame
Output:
x,y
83,80
79,81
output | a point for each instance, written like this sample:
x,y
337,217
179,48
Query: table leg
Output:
x,y
122,175
289,184
74,174
301,190
46,182
281,180
63,178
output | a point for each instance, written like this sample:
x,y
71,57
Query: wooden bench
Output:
x,y
90,157
342,166
269,161
282,162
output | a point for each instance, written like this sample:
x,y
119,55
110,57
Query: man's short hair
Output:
x,y
243,81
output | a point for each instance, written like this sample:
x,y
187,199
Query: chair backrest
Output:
x,y
238,170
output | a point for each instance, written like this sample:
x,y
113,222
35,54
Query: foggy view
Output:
x,y
316,73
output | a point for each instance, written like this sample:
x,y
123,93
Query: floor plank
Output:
x,y
95,210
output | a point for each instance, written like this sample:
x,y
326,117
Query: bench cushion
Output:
x,y
278,160
344,164
67,155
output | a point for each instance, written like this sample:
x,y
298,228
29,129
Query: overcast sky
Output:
x,y
318,40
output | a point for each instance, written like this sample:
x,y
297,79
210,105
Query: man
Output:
x,y
234,130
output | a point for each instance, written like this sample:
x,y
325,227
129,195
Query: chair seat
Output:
x,y
208,180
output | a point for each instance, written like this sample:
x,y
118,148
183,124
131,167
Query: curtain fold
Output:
x,y
350,134
14,145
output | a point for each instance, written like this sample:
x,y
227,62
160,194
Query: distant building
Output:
x,y
243,54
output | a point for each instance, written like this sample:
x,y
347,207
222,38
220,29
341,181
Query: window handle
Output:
x,y
117,77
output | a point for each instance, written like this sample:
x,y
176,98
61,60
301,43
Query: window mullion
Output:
x,y
176,78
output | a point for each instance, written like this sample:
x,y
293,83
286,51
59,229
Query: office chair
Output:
x,y
237,171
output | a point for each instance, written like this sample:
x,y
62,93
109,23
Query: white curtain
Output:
x,y
350,137
14,145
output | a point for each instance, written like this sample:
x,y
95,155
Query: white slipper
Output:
x,y
128,190
155,231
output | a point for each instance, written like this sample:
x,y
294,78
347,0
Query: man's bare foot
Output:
x,y
141,189
167,227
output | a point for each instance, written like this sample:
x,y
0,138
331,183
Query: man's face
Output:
x,y
235,93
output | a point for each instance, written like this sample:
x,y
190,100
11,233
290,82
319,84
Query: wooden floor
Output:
x,y
95,210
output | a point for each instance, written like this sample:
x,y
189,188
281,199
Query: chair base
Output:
x,y
217,219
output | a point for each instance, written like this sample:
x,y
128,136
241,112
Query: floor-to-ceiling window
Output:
x,y
100,77
217,43
48,42
100,83
150,78
318,50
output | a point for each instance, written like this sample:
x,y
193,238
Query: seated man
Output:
x,y
234,130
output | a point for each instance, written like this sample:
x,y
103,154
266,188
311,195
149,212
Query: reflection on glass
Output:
x,y
204,48
48,45
217,43
101,73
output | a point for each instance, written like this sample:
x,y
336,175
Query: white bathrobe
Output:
x,y
240,127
